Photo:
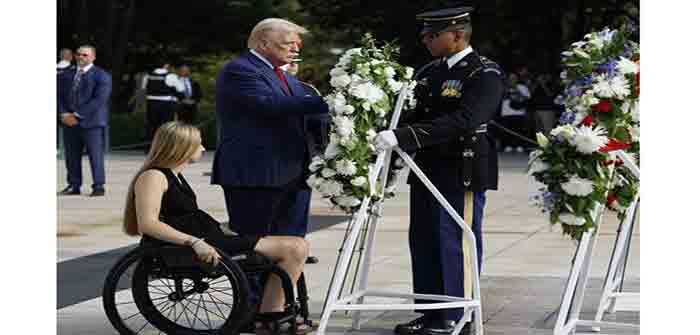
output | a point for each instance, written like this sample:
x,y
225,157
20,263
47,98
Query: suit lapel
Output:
x,y
267,72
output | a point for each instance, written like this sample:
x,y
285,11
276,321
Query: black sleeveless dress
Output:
x,y
178,209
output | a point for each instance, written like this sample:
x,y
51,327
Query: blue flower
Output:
x,y
548,200
567,117
608,68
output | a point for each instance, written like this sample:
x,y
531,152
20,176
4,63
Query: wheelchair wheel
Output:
x,y
192,300
118,301
174,300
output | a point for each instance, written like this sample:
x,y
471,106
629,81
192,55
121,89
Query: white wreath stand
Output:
x,y
355,300
570,310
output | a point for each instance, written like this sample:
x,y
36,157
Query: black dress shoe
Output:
x,y
412,327
97,193
69,190
444,327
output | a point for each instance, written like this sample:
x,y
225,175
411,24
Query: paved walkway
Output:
x,y
524,273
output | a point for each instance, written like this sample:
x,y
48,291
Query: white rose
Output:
x,y
328,172
394,85
313,181
332,150
344,126
348,109
359,181
316,163
340,81
337,71
579,187
571,219
409,73
537,166
389,72
338,102
329,188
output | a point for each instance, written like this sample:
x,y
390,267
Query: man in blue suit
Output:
x,y
83,101
262,155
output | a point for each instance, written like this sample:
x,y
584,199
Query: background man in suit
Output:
x,y
457,96
83,102
65,60
262,157
191,96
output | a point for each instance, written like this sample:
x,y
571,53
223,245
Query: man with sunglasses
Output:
x,y
83,103
458,94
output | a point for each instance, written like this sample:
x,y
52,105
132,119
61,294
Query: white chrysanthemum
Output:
x,y
348,109
602,87
316,163
344,126
347,201
409,73
571,219
332,151
394,85
368,92
341,81
389,72
626,66
537,166
620,87
346,167
359,181
588,140
579,187
329,188
566,132
635,112
328,172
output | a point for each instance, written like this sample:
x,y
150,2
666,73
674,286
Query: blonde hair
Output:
x,y
173,144
266,26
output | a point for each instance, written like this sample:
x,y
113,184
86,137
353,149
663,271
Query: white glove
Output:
x,y
385,140
205,252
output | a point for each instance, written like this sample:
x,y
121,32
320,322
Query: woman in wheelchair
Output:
x,y
162,207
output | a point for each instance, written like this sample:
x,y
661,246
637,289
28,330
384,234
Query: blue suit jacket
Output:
x,y
262,130
93,96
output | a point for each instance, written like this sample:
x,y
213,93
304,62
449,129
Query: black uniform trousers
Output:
x,y
157,113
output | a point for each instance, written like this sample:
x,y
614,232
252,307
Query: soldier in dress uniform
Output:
x,y
458,94
163,91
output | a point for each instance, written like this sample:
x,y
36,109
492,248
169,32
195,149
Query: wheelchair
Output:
x,y
165,289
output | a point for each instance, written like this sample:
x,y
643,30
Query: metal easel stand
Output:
x,y
569,314
355,300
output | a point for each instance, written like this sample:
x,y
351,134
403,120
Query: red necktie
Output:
x,y
280,75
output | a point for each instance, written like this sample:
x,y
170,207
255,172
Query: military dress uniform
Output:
x,y
448,132
163,91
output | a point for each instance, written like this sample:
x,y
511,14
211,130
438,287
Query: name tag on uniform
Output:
x,y
452,89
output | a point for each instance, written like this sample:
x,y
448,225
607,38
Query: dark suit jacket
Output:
x,y
196,91
262,130
93,96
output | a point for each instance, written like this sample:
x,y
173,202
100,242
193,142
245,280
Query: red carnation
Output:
x,y
613,145
587,121
611,199
617,162
602,107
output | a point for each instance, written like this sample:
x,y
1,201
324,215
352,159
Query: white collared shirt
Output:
x,y
86,68
458,56
262,58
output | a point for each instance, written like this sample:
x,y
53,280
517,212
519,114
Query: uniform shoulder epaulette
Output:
x,y
425,67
